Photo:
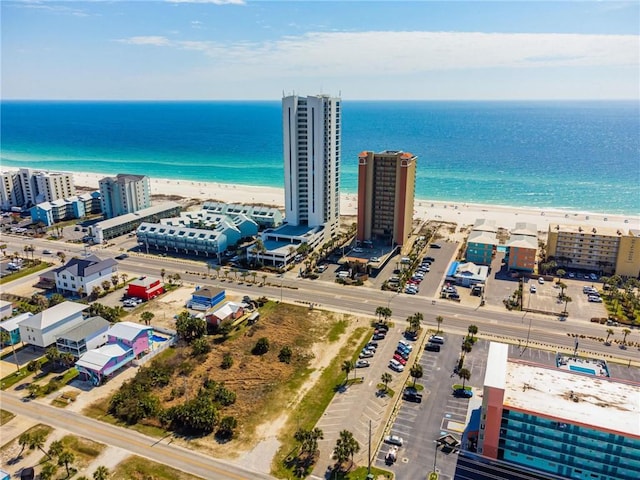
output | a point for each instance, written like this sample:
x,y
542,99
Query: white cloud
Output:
x,y
393,53
154,40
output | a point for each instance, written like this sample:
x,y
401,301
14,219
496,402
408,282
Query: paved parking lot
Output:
x,y
441,413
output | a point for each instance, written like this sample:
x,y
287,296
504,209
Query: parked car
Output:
x,y
46,252
541,280
394,440
436,245
391,456
122,256
399,358
432,347
366,354
372,343
429,259
533,289
378,336
594,299
412,395
405,344
383,327
362,363
403,353
463,392
395,365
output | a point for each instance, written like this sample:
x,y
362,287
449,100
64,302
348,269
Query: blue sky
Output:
x,y
234,49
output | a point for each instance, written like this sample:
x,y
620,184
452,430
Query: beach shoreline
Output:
x,y
462,214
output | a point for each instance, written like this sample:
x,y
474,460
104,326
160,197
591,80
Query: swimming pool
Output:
x,y
576,368
157,338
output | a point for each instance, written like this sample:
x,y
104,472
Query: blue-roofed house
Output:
x,y
206,297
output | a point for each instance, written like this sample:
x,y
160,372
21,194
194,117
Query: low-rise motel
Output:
x,y
572,422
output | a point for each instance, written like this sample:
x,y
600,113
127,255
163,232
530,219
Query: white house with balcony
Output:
x,y
84,273
42,329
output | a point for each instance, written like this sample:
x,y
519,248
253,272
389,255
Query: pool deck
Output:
x,y
588,366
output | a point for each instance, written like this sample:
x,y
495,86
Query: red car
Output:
x,y
399,358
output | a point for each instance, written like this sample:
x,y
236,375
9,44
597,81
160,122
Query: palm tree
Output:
x,y
562,286
62,256
625,332
124,277
36,440
379,312
467,346
346,446
347,366
114,280
473,330
48,471
609,333
80,292
163,272
101,473
464,375
24,440
386,378
147,317
65,458
567,299
55,449
217,270
416,372
5,339
3,249
439,321
561,272
254,275
106,285
264,279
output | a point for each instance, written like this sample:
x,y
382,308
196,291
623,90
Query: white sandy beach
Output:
x,y
460,213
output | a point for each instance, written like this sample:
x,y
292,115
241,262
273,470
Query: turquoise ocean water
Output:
x,y
570,155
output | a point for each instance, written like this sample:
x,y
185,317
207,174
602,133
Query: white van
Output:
x,y
436,339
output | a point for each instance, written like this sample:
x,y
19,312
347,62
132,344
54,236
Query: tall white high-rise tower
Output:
x,y
311,130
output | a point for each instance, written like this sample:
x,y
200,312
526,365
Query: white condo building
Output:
x,y
124,194
10,190
311,129
43,186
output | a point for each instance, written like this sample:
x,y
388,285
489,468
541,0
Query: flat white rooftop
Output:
x,y
603,403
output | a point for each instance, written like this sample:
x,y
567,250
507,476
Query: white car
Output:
x,y
533,289
394,440
406,344
541,280
594,299
396,365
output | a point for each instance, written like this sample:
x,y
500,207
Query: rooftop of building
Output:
x,y
12,323
127,330
525,228
52,315
124,178
523,241
207,292
600,402
84,267
87,328
485,225
137,216
577,229
482,236
288,230
145,281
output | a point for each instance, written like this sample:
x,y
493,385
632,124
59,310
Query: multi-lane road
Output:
x,y
493,323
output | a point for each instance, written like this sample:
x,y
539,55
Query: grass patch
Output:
x,y
418,387
387,390
337,330
18,376
458,386
313,405
5,417
360,473
85,450
138,468
99,411
24,272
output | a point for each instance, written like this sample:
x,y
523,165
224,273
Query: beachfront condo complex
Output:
x,y
312,143
599,249
124,194
386,189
